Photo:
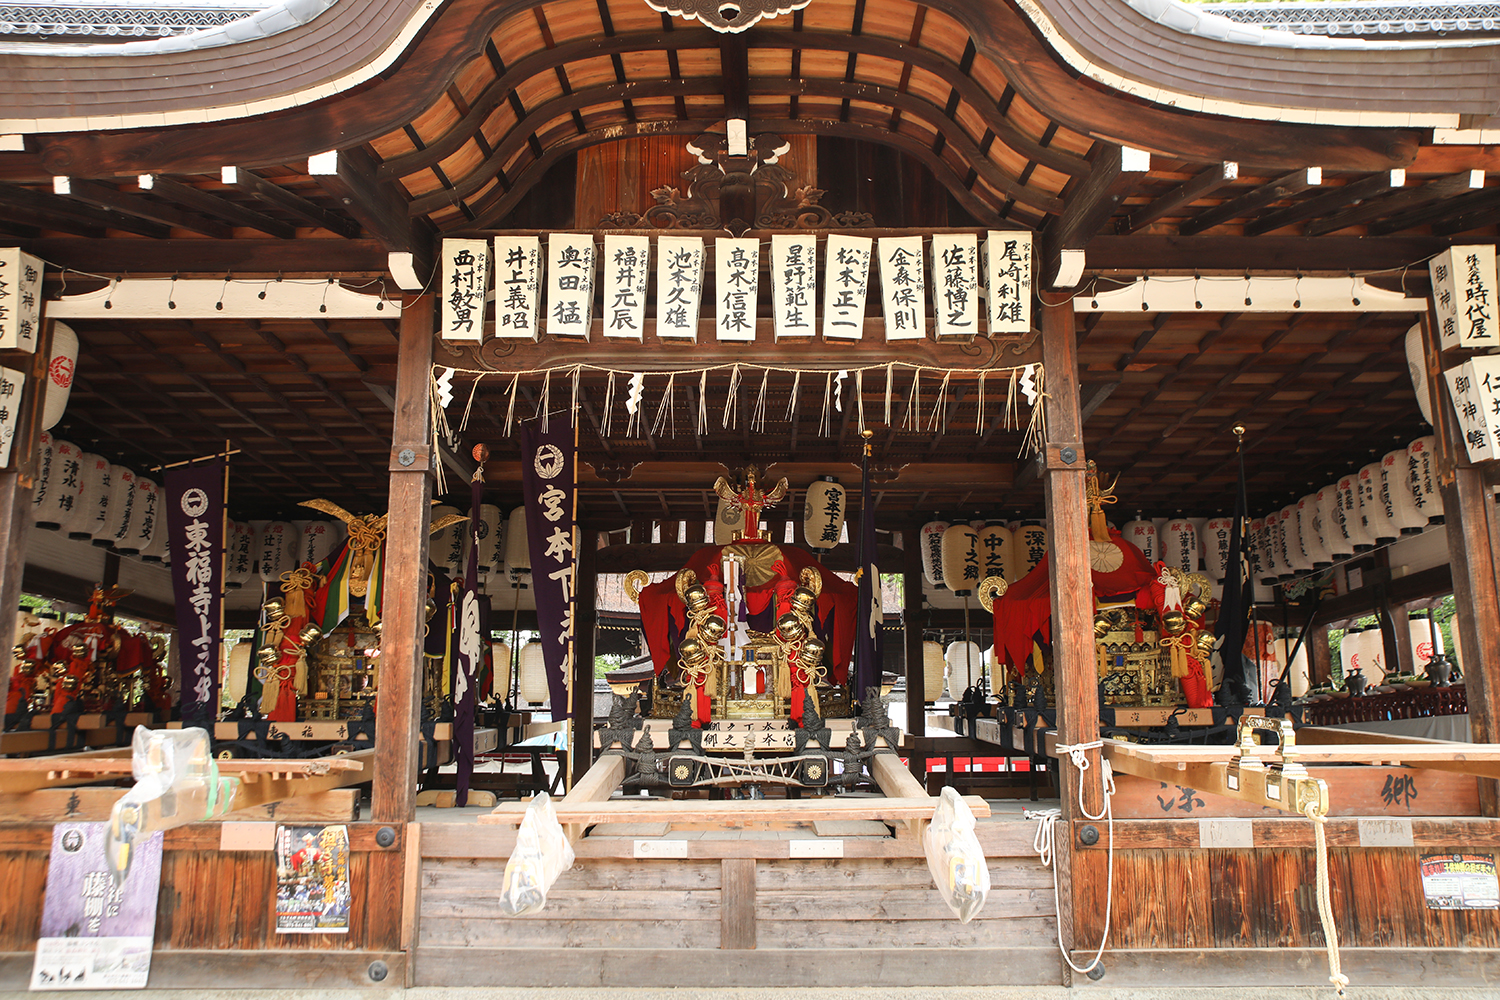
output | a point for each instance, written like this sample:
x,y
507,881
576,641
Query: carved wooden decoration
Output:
x,y
727,16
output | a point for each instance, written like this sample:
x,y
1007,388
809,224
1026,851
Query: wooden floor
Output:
x,y
738,910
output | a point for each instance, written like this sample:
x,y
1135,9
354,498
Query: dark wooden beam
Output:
x,y
1397,201
1435,213
379,207
1469,219
209,204
1247,203
1142,341
1201,185
252,183
1322,204
112,199
217,257
1087,208
1092,396
33,207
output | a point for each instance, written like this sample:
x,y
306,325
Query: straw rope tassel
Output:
x,y
859,391
979,420
758,415
473,390
577,376
665,407
510,405
609,407
940,413
703,404
889,375
546,398
825,419
731,412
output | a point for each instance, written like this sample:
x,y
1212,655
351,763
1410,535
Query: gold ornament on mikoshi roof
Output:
x,y
749,500
366,536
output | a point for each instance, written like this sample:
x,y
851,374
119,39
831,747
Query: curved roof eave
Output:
x,y
1147,49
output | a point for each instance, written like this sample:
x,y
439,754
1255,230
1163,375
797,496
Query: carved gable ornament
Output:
x,y
729,16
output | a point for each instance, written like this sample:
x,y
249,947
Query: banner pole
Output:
x,y
220,669
572,665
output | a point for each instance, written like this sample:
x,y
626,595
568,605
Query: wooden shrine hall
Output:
x,y
1067,271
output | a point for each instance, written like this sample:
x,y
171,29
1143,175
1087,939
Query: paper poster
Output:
x,y
312,880
96,935
1460,882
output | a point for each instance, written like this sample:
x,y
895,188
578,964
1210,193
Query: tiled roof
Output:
x,y
121,19
1370,20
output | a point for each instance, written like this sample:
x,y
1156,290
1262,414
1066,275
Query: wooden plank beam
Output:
x,y
1201,185
69,214
112,199
209,204
1249,202
629,810
1142,342
1326,203
293,204
1399,201
349,176
1236,254
1431,214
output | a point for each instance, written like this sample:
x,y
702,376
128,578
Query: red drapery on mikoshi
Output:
x,y
664,616
1024,613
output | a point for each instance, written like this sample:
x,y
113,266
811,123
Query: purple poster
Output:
x,y
195,526
96,935
547,462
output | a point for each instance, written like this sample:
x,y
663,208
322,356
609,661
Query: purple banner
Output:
x,y
195,526
469,644
547,464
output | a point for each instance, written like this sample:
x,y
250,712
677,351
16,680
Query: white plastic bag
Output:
x,y
954,857
176,782
542,854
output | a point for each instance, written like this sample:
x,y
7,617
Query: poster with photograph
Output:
x,y
312,880
96,933
1460,882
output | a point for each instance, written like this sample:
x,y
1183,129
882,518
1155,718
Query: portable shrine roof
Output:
x,y
1269,152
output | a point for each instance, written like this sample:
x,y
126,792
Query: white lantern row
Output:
x,y
554,292
933,666
960,548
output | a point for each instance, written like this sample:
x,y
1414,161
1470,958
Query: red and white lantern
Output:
x,y
1271,566
144,527
121,508
1421,458
60,367
64,487
1329,533
1350,521
1310,531
1371,510
1396,493
92,511
1180,545
239,555
276,550
1290,530
1218,533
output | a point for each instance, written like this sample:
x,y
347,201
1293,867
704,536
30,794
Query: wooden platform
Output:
x,y
737,811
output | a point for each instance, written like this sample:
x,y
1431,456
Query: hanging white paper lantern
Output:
x,y
1180,545
1218,533
158,550
1372,655
446,548
239,555
517,550
1416,364
1457,653
1351,651
64,486
274,550
1426,642
1310,531
491,535
40,493
965,667
60,368
117,508
1030,546
1421,458
499,670
1257,540
1330,535
823,510
1371,510
1142,534
1350,521
92,512
729,522
931,540
995,544
1271,568
961,559
1290,525
1299,675
534,674
317,541
1396,493
144,526
933,666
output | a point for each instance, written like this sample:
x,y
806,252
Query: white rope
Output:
x,y
1325,907
1045,842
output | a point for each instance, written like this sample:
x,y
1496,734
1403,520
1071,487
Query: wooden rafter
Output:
x,y
1397,201
1201,185
1243,205
1323,204
378,207
111,198
273,194
214,207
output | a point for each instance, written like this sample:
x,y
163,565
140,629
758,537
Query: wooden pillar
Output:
x,y
1468,509
393,797
1320,655
585,618
1075,678
911,614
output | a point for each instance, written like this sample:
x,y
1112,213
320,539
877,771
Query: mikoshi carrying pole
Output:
x,y
867,664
